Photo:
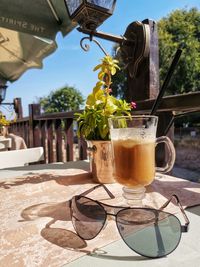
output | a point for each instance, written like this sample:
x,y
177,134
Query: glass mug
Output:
x,y
133,140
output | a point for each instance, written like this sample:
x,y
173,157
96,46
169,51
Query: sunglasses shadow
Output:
x,y
64,238
103,254
57,211
58,236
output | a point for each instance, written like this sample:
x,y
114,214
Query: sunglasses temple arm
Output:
x,y
187,222
95,187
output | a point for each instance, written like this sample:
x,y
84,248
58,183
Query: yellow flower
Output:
x,y
3,121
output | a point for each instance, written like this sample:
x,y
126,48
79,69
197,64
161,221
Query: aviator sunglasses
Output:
x,y
149,232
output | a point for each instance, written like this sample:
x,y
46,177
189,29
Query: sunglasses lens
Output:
x,y
88,217
148,232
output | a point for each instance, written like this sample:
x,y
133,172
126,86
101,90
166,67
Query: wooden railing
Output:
x,y
56,131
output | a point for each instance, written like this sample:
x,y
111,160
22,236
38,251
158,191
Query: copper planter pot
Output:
x,y
3,130
101,163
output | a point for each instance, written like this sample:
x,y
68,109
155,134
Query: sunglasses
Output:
x,y
149,232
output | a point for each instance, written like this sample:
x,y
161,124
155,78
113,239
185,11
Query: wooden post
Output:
x,y
44,138
50,141
164,119
69,132
59,143
82,144
18,107
34,109
146,84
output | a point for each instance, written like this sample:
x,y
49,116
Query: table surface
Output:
x,y
119,255
114,254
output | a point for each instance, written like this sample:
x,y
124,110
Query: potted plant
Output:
x,y
3,124
93,121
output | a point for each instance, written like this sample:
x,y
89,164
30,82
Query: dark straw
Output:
x,y
166,81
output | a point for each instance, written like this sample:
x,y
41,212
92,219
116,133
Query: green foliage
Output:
x,y
119,81
100,105
61,100
181,29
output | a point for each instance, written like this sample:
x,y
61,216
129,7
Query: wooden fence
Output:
x,y
56,131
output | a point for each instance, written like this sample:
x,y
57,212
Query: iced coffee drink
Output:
x,y
134,161
133,141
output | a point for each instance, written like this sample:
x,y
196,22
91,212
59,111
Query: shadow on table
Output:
x,y
56,211
187,192
103,254
195,209
34,178
60,211
64,238
84,165
58,236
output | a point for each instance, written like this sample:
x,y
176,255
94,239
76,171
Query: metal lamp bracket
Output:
x,y
133,55
134,45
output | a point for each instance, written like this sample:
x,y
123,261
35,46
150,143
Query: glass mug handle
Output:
x,y
171,154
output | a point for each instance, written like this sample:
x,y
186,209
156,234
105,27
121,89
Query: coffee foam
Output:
x,y
133,134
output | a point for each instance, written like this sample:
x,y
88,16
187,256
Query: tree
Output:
x,y
181,29
119,80
64,99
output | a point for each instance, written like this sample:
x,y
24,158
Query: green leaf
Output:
x,y
97,67
90,100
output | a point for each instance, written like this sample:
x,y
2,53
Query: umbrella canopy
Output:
x,y
20,51
43,18
27,34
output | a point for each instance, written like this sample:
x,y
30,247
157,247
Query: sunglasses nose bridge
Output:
x,y
109,216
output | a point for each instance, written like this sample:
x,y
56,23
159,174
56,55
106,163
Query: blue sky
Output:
x,y
70,65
